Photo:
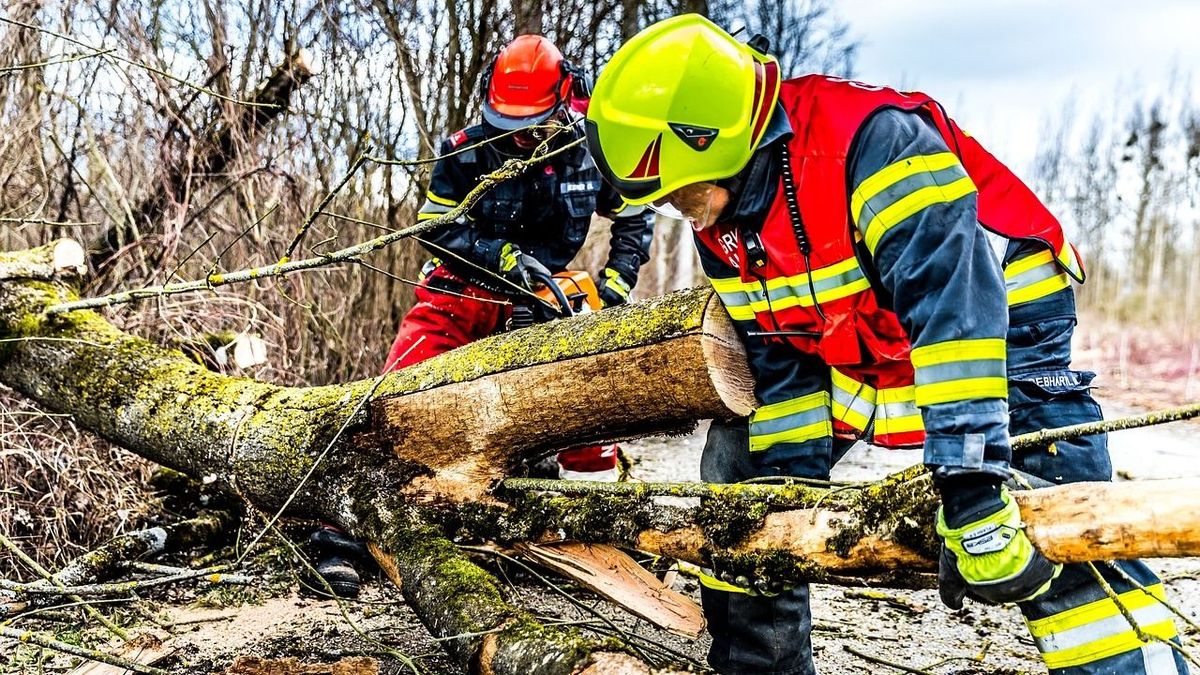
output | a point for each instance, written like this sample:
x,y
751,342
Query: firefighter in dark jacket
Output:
x,y
536,222
846,229
529,225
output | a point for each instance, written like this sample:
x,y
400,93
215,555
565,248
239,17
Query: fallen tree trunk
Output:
x,y
406,461
325,453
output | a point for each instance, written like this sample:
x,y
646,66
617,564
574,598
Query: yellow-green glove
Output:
x,y
614,289
991,559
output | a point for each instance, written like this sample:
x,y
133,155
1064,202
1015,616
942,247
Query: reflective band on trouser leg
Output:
x,y
960,370
853,405
435,206
898,421
792,421
743,299
1034,277
903,189
1098,630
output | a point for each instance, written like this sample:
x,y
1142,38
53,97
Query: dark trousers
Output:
x,y
763,635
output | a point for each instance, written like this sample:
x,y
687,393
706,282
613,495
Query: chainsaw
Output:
x,y
560,295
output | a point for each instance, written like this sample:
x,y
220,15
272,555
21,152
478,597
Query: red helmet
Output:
x,y
527,83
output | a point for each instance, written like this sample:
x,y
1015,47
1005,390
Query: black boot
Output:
x,y
336,553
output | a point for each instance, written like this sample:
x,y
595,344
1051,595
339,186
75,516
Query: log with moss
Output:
x,y
354,455
409,460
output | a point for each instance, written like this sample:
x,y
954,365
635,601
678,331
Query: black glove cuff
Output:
x,y
968,498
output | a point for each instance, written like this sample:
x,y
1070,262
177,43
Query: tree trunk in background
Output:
x,y
214,154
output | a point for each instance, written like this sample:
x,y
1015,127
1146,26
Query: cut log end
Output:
x,y
726,359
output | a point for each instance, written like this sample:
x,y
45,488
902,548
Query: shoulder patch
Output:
x,y
458,138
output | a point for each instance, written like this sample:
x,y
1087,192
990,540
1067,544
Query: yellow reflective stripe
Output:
x,y
428,216
1039,289
439,200
800,434
959,370
953,351
914,203
1034,277
894,173
1106,647
744,300
1027,263
1095,611
791,406
801,280
961,390
808,416
891,400
1099,629
853,401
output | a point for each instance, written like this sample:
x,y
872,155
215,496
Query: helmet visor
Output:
x,y
634,191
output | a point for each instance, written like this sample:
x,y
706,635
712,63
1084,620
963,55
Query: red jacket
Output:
x,y
861,339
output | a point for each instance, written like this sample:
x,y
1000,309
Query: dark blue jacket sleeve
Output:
x,y
914,208
448,185
631,233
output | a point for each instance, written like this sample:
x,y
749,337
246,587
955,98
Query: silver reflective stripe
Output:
x,y
1100,629
795,420
905,187
1030,277
431,206
960,370
1159,659
896,409
751,293
853,402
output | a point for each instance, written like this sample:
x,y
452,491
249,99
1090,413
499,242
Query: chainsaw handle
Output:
x,y
564,304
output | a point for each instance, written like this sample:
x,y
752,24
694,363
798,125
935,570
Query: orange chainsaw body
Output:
x,y
579,288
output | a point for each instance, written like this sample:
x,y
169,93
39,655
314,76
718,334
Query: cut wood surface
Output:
x,y
418,463
611,573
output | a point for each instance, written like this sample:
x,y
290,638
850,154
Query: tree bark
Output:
x,y
410,459
344,463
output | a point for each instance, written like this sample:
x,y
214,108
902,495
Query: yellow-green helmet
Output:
x,y
680,103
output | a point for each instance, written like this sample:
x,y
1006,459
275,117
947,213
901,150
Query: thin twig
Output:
x,y
884,662
138,64
43,221
1142,635
213,575
92,611
65,58
30,637
510,169
1133,422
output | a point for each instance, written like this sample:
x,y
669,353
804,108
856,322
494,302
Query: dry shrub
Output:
x,y
62,490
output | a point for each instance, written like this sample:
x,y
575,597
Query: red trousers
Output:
x,y
451,312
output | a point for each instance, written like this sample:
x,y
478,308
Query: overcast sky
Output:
x,y
1002,67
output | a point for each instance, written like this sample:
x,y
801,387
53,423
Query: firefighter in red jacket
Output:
x,y
845,228
529,226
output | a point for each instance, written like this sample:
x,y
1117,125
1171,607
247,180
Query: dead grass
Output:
x,y
62,490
